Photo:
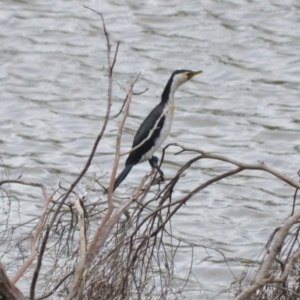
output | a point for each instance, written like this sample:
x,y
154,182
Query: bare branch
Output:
x,y
134,93
23,182
260,166
56,286
77,280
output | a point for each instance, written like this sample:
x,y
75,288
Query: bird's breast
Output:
x,y
170,109
166,128
169,112
164,131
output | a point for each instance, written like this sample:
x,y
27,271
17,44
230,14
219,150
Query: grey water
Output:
x,y
245,105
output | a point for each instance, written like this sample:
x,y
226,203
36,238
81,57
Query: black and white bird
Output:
x,y
156,127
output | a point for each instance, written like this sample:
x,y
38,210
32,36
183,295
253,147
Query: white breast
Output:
x,y
168,112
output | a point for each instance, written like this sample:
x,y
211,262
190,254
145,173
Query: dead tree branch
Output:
x,y
77,280
260,166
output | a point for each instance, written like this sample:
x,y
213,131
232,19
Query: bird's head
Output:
x,y
177,78
181,76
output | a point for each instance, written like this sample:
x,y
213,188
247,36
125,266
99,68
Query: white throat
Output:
x,y
177,82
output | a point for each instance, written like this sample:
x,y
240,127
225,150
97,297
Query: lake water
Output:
x,y
245,106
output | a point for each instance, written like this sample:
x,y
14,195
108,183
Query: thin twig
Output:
x,y
133,93
62,280
260,166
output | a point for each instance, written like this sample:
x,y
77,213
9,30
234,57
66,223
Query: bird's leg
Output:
x,y
153,161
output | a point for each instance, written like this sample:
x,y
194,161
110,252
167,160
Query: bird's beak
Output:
x,y
192,74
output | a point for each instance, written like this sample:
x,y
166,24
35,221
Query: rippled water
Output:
x,y
245,105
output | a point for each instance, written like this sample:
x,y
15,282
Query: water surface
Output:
x,y
245,106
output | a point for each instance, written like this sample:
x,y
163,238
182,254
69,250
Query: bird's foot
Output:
x,y
153,161
161,174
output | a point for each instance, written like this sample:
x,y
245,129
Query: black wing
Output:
x,y
143,132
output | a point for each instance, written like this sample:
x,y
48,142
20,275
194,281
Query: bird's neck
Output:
x,y
167,96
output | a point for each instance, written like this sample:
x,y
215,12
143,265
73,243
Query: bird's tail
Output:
x,y
122,175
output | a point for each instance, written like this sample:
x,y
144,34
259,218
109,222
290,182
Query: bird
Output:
x,y
156,127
